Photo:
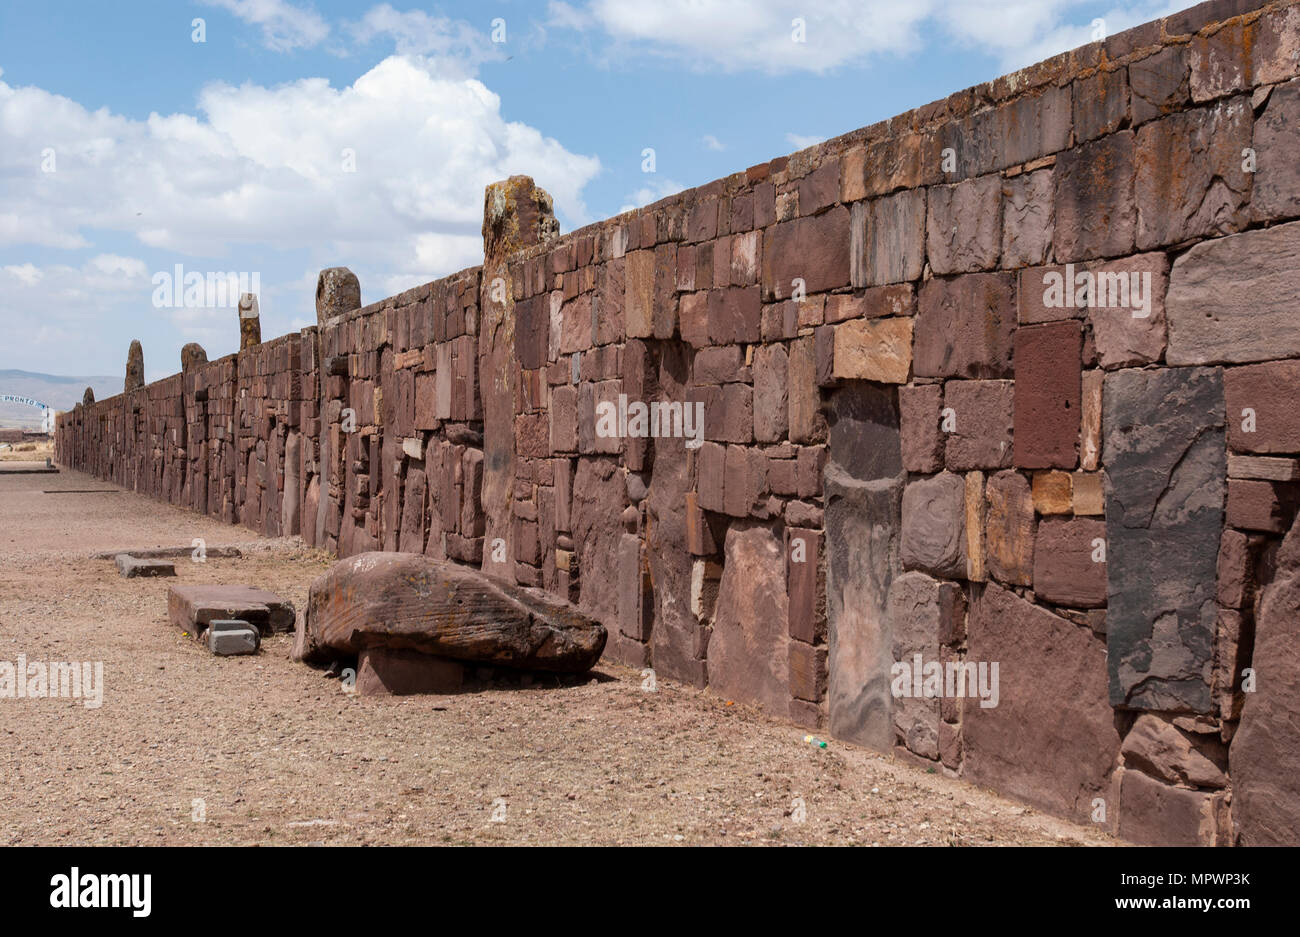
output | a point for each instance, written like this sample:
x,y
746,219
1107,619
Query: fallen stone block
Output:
x,y
134,567
405,601
383,671
232,638
194,608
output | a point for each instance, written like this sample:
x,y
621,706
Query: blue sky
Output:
x,y
300,135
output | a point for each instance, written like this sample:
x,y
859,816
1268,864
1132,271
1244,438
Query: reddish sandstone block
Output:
x,y
1261,505
1009,529
918,420
1048,394
734,315
804,580
711,470
820,189
964,225
981,417
1261,407
965,325
812,249
807,672
1190,182
746,481
728,412
721,365
1064,569
771,399
1096,213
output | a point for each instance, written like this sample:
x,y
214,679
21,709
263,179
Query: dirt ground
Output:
x,y
36,452
279,754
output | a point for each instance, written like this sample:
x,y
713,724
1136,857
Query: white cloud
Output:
x,y
712,143
254,177
451,43
651,192
761,34
737,35
284,26
266,166
801,142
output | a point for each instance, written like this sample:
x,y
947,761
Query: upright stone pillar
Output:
x,y
338,292
516,215
193,355
134,367
250,321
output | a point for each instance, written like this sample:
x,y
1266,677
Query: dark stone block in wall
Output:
x,y
1166,467
864,434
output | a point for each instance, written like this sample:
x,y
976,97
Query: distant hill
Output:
x,y
53,390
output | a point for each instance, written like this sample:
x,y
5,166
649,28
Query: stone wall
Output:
x,y
1005,379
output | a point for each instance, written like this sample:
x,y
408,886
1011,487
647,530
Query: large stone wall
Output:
x,y
910,444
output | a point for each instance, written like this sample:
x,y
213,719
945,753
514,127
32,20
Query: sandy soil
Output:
x,y
278,753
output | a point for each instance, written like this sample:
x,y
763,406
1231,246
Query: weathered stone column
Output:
x,y
338,292
134,367
250,321
516,214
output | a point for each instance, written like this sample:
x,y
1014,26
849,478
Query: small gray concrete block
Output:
x,y
134,567
229,638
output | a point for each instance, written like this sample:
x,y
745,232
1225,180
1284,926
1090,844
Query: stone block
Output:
x,y
383,671
862,557
749,657
1067,568
922,442
1095,212
134,567
965,326
934,525
981,417
233,638
812,249
1276,193
1050,749
1053,492
874,350
771,396
1152,813
964,226
1009,529
1028,219
1261,411
888,239
1166,468
1158,748
1048,394
1189,179
1261,505
1159,84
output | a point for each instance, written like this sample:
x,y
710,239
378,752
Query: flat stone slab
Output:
x,y
406,601
135,567
194,608
165,553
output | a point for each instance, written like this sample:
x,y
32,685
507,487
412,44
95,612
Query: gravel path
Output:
x,y
277,753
